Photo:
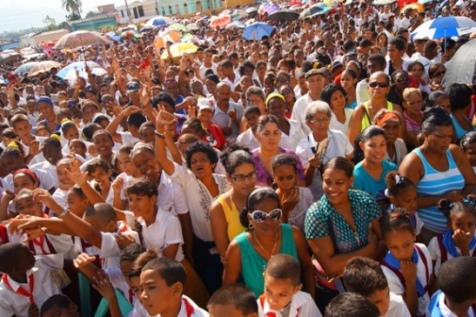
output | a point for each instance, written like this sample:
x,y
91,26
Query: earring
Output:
x,y
250,226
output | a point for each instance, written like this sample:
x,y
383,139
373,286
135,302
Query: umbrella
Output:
x,y
187,37
113,36
27,51
81,66
159,21
193,27
24,68
414,6
283,15
220,21
130,35
295,3
251,10
178,27
383,2
236,25
257,31
250,21
461,66
42,67
317,9
268,8
179,49
166,36
71,74
331,3
443,27
424,1
80,38
225,12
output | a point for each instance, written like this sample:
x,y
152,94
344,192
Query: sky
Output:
x,y
22,14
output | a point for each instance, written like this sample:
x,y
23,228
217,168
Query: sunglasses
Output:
x,y
380,84
402,80
260,216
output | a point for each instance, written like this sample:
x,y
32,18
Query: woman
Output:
x,y
202,186
436,72
460,99
382,43
289,97
342,225
379,84
348,81
370,172
291,132
266,236
225,210
413,115
269,83
335,97
416,71
439,169
269,136
390,122
400,80
438,99
321,145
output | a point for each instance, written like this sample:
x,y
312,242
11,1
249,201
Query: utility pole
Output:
x,y
128,12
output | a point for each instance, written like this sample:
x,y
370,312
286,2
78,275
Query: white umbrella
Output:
x,y
444,27
383,2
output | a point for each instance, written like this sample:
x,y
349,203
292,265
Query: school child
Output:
x,y
233,300
402,193
459,240
282,290
100,172
162,281
129,174
365,277
69,132
351,304
457,283
65,182
27,282
407,265
59,305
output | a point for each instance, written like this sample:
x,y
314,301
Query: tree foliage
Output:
x,y
50,23
73,7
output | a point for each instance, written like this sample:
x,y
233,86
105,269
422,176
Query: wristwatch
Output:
x,y
159,135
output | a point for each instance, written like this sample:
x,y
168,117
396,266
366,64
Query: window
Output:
x,y
135,13
177,9
199,6
141,11
163,11
185,8
170,10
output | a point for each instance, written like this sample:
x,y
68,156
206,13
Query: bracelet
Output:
x,y
159,135
64,213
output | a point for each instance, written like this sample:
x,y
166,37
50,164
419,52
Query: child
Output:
x,y
457,283
147,133
282,290
459,240
365,277
27,282
295,200
248,138
468,145
31,144
162,281
79,147
351,304
233,300
402,193
129,173
407,265
69,132
213,134
59,305
65,182
101,172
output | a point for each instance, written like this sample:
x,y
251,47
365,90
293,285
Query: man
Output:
x,y
227,115
207,63
375,63
230,76
395,53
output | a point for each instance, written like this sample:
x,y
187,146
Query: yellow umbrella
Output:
x,y
414,6
179,49
166,36
331,3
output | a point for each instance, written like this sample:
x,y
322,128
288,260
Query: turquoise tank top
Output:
x,y
460,132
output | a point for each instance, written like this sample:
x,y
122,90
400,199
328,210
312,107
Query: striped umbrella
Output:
x,y
166,36
81,38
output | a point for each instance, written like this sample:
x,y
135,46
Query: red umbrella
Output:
x,y
220,21
295,3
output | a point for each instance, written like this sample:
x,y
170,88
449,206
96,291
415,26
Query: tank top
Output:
x,y
460,132
366,120
253,264
437,183
232,217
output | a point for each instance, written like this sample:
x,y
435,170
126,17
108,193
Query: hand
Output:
x,y
315,161
103,285
34,148
32,234
290,199
124,240
163,118
232,115
117,185
74,172
126,112
9,196
462,239
43,196
192,110
82,260
113,107
409,271
10,92
17,223
33,311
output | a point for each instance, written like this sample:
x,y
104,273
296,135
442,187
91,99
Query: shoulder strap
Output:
x,y
332,234
443,252
427,271
396,272
366,113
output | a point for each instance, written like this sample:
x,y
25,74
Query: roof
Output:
x,y
52,32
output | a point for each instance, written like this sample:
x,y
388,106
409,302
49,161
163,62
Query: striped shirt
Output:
x,y
437,184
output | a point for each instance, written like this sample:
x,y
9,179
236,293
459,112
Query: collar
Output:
x,y
14,284
296,303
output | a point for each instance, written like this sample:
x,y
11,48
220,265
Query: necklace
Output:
x,y
262,248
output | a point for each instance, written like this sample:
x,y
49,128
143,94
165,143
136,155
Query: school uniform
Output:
x,y
190,309
302,305
16,298
396,283
397,307
438,308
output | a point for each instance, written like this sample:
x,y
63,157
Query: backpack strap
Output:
x,y
427,270
396,272
443,252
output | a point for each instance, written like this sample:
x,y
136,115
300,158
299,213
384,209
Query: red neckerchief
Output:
x,y
188,307
21,290
131,295
262,299
40,242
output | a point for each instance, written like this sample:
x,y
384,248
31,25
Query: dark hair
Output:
x,y
329,90
435,117
398,43
457,279
142,187
55,301
193,123
136,119
126,148
169,270
97,163
449,208
164,97
397,183
245,64
66,126
364,276
467,140
460,96
131,252
283,159
368,133
89,129
397,219
340,163
141,260
77,191
265,119
378,59
351,304
237,295
200,147
254,198
235,155
284,267
105,213
252,109
9,251
432,98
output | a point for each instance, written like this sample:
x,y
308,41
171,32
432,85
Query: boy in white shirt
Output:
x,y
233,300
282,290
365,277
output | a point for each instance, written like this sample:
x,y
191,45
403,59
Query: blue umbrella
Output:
x,y
317,9
76,66
24,68
443,27
257,31
113,36
160,21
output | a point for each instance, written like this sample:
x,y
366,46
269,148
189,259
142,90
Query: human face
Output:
x,y
319,124
347,81
440,139
444,102
244,186
315,83
144,161
201,165
25,205
268,226
103,144
406,199
72,133
337,101
288,93
147,135
56,311
470,153
22,129
88,113
285,177
23,181
226,310
223,94
52,153
252,120
277,107
377,91
205,115
78,148
255,100
416,71
391,128
126,164
45,109
156,296
336,185
374,149
464,221
381,299
269,85
76,204
270,136
414,103
65,182
279,292
400,243
393,53
101,177
141,205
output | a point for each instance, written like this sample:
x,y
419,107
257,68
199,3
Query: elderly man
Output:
x,y
227,115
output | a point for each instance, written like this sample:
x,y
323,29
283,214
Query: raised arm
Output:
x,y
123,115
163,122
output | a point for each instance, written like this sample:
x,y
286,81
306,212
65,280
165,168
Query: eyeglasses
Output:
x,y
242,178
402,80
260,216
380,84
320,121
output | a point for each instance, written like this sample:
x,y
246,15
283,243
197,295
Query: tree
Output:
x,y
91,14
50,23
72,6
73,17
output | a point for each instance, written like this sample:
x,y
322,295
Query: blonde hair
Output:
x,y
409,91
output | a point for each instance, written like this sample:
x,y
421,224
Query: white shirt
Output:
x,y
221,119
397,307
110,251
339,126
302,304
362,93
435,252
295,136
445,311
44,287
38,157
400,152
47,174
299,112
232,83
248,139
127,138
203,69
171,196
197,311
60,197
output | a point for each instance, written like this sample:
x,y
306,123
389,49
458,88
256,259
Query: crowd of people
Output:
x,y
326,169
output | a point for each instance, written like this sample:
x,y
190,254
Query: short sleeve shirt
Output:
x,y
321,215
